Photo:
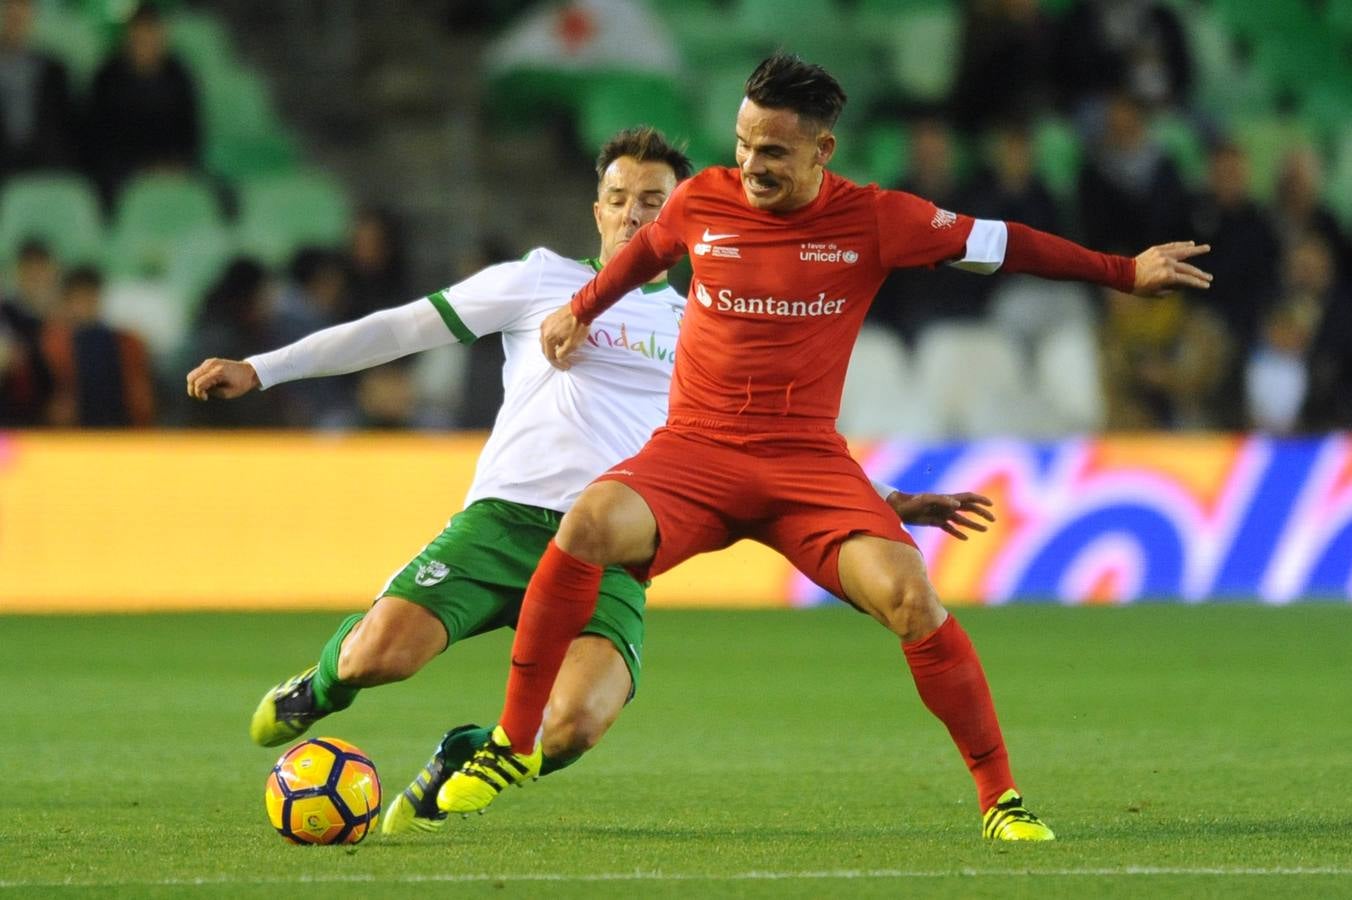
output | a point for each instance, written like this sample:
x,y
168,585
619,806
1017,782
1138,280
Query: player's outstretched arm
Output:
x,y
222,379
1164,268
561,333
382,336
947,511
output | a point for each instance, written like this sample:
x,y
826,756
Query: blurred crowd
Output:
x,y
1266,348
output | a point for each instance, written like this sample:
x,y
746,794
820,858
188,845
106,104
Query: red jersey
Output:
x,y
776,299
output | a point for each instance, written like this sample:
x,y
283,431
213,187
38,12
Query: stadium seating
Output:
x,y
203,44
153,212
880,396
61,209
75,39
624,101
1068,378
978,383
278,215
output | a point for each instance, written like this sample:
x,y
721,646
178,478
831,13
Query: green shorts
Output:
x,y
473,577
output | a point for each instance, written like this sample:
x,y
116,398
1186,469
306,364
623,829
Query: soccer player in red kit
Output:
x,y
786,259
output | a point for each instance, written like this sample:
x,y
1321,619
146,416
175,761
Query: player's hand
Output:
x,y
1161,269
560,336
222,379
947,511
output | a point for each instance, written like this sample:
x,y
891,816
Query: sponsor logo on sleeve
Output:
x,y
943,219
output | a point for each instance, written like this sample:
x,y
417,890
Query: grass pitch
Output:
x,y
1177,751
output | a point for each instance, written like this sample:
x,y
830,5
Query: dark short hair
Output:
x,y
645,144
34,248
785,81
86,277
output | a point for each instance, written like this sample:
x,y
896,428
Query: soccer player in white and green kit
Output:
x,y
555,432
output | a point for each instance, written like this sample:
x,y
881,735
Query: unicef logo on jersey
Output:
x,y
826,253
432,573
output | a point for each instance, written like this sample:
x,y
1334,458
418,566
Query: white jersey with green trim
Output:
x,y
557,430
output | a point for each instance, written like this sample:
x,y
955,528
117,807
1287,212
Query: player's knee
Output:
x,y
367,663
911,608
573,728
588,533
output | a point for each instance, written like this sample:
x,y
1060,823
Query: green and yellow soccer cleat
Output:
x,y
493,767
286,711
1007,820
415,808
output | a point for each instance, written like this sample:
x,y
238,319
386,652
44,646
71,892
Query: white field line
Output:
x,y
657,876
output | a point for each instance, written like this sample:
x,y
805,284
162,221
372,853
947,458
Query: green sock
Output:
x,y
554,763
331,694
460,743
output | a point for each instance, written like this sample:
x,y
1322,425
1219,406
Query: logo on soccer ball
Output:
x,y
431,573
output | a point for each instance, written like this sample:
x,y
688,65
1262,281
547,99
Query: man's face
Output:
x,y
630,195
780,156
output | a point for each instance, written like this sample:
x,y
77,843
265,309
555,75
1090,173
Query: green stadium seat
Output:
x,y
1183,145
878,153
72,38
1338,186
62,210
720,92
1057,151
280,214
1338,16
623,101
153,212
922,47
203,44
238,102
1266,140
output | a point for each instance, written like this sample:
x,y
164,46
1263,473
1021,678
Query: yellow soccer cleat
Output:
x,y
1007,820
493,767
415,808
286,711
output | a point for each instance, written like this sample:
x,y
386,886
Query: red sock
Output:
x,y
560,600
952,685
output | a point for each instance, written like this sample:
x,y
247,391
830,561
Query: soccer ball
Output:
x,y
323,791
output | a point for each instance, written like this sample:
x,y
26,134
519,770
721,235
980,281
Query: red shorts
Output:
x,y
800,494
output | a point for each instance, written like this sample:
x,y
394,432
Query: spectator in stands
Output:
x,y
910,299
1298,206
142,108
378,275
37,119
1007,186
1005,62
1309,331
1164,363
1129,192
387,397
234,322
25,379
1111,46
314,296
101,375
1244,250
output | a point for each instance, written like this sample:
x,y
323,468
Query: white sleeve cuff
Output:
x,y
985,247
884,490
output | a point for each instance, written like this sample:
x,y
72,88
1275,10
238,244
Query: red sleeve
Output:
x,y
912,231
652,250
1048,256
